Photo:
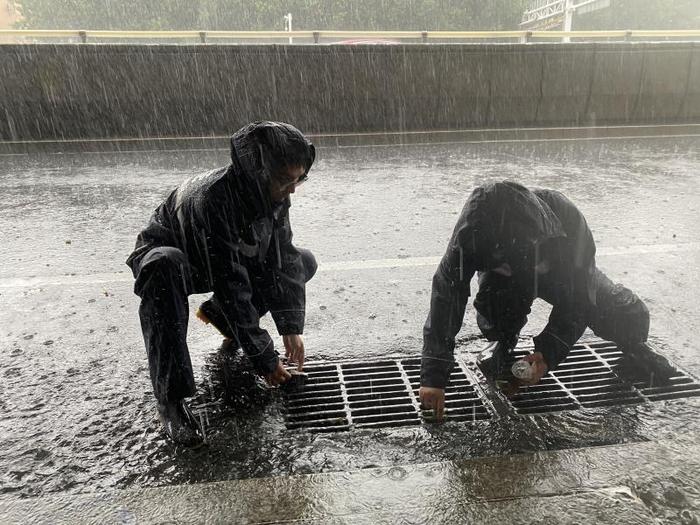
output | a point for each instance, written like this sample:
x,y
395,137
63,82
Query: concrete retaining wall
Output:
x,y
96,91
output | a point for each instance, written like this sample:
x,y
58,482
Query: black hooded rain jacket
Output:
x,y
232,234
506,222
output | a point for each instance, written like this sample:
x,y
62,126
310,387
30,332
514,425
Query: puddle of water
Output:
x,y
117,440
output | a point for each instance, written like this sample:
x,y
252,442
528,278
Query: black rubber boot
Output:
x,y
640,364
179,423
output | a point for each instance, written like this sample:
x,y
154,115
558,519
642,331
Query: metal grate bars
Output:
x,y
587,379
462,398
374,394
384,393
321,404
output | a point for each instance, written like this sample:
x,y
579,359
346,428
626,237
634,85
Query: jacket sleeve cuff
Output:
x,y
289,322
434,372
265,362
553,349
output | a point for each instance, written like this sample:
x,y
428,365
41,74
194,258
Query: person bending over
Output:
x,y
523,244
226,232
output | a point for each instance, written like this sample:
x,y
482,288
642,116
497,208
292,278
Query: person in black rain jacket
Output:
x,y
523,244
226,232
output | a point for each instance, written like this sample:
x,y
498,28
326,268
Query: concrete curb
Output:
x,y
630,483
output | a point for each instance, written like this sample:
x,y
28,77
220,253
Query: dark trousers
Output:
x,y
618,314
163,283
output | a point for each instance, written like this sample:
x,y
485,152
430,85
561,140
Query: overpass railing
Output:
x,y
335,37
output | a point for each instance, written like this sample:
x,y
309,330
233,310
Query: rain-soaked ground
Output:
x,y
76,411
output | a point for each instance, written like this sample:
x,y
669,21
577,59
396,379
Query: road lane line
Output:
x,y
338,266
375,264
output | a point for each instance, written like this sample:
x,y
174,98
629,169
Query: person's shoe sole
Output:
x,y
202,316
205,319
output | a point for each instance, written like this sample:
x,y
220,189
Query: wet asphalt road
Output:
x,y
76,411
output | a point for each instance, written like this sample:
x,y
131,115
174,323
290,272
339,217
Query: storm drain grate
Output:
x,y
587,378
384,393
375,394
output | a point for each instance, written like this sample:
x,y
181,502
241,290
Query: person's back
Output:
x,y
181,221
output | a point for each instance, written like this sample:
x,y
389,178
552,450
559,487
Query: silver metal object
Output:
x,y
521,369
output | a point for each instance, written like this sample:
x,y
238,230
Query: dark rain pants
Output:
x,y
163,284
618,315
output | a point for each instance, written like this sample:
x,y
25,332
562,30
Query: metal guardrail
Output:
x,y
94,36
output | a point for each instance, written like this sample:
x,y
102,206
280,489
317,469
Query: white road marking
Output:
x,y
338,266
375,264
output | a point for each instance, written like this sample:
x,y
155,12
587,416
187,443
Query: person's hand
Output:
x,y
434,399
294,349
279,376
539,368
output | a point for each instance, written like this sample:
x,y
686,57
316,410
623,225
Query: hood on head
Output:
x,y
506,221
518,216
263,147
